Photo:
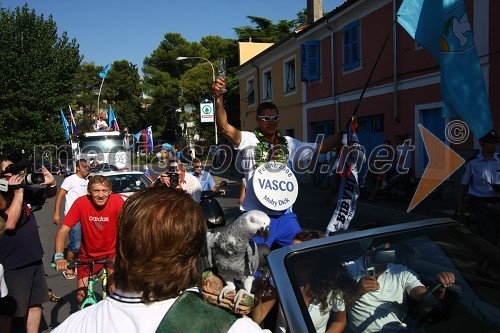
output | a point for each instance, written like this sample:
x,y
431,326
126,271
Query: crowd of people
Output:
x,y
154,241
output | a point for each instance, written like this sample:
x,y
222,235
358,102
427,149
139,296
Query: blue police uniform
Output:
x,y
482,177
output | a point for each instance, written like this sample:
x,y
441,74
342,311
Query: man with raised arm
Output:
x,y
265,144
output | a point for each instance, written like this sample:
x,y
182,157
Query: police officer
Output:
x,y
481,181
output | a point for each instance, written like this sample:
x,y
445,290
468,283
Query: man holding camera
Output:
x,y
21,250
177,178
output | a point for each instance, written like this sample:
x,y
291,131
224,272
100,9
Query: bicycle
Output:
x,y
94,278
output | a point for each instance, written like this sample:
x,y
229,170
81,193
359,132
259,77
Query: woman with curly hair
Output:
x,y
328,291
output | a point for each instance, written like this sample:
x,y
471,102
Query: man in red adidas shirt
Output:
x,y
98,212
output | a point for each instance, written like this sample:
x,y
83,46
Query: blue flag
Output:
x,y
113,122
104,72
138,136
442,27
65,125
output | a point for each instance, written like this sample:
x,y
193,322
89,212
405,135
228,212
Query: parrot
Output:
x,y
233,253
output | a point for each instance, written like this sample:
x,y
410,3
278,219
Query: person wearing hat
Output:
x,y
481,182
100,125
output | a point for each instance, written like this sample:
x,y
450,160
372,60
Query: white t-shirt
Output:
x,y
319,319
386,307
76,187
298,150
128,314
192,186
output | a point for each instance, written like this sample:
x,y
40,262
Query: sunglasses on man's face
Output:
x,y
269,118
197,166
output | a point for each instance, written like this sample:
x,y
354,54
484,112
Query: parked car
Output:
x,y
126,183
428,247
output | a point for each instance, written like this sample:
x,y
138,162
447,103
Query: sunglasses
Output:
x,y
198,166
269,118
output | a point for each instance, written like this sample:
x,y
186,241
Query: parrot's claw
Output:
x,y
226,290
239,296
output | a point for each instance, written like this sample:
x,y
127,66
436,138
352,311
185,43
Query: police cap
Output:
x,y
490,137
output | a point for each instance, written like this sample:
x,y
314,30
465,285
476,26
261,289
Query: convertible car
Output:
x,y
428,247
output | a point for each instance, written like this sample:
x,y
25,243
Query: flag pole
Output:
x,y
102,75
340,219
99,95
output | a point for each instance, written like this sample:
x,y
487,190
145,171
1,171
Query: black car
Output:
x,y
426,248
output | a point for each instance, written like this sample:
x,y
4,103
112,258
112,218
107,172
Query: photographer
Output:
x,y
21,250
177,178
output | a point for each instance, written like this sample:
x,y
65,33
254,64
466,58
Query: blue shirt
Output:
x,y
206,180
480,173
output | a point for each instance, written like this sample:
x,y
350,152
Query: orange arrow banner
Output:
x,y
443,162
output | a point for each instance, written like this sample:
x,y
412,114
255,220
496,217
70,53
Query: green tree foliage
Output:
x,y
87,86
264,30
38,69
123,91
175,83
161,76
85,92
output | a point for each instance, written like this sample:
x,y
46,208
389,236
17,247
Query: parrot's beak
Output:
x,y
264,232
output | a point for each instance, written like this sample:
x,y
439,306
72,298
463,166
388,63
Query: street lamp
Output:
x,y
213,80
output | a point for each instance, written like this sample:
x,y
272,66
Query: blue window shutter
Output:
x,y
303,63
346,34
313,60
355,56
350,35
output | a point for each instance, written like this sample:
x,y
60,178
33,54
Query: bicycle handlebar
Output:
x,y
75,263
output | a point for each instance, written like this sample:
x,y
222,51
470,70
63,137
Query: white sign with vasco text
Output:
x,y
275,185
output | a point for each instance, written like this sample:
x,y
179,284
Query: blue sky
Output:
x,y
109,30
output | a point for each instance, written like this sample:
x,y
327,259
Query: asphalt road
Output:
x,y
310,207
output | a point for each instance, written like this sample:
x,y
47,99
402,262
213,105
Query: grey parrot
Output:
x,y
232,253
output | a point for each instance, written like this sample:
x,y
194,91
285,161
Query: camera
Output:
x,y
173,174
29,178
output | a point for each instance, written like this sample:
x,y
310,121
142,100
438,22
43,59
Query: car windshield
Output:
x,y
96,146
472,303
124,183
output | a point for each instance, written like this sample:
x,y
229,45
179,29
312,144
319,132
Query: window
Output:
x,y
310,61
351,45
268,85
250,92
290,76
322,127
